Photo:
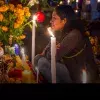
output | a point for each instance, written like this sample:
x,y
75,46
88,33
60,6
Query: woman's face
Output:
x,y
56,22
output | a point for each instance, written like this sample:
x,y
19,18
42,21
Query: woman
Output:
x,y
74,51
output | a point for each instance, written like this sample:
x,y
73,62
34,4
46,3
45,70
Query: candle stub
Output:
x,y
84,76
26,76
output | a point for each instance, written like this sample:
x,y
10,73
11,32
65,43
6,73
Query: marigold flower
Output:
x,y
18,22
26,9
20,17
27,14
19,6
13,16
1,2
4,28
22,37
16,25
18,65
11,7
4,8
1,17
20,12
15,9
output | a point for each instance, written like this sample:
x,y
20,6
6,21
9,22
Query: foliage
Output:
x,y
13,20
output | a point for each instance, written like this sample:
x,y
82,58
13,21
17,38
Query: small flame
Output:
x,y
61,2
68,1
34,18
84,76
50,31
77,1
76,11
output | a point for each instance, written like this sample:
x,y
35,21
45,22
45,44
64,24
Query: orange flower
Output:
x,y
4,28
26,9
22,37
28,14
1,17
19,22
16,25
4,8
11,7
13,20
19,6
19,12
1,2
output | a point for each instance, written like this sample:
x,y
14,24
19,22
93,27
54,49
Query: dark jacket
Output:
x,y
76,53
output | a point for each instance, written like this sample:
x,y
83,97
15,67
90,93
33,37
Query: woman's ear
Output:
x,y
64,20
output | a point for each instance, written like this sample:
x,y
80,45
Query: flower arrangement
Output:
x,y
95,43
13,20
16,71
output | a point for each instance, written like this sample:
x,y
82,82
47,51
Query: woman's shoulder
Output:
x,y
74,32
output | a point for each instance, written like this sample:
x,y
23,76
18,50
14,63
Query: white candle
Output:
x,y
23,56
33,39
53,56
26,76
84,76
37,71
76,3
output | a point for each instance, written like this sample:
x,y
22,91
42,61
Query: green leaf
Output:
x,y
23,1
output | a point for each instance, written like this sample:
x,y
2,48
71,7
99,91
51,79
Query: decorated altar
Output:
x,y
15,66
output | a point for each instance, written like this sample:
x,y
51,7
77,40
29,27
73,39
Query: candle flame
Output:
x,y
61,2
98,0
76,11
34,18
50,31
68,1
84,76
77,1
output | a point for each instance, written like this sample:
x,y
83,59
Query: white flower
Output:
x,y
32,2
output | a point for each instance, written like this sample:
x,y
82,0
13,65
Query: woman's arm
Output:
x,y
46,49
67,45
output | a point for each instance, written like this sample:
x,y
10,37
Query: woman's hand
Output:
x,y
58,46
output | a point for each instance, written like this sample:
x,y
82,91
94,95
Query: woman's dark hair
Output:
x,y
73,22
